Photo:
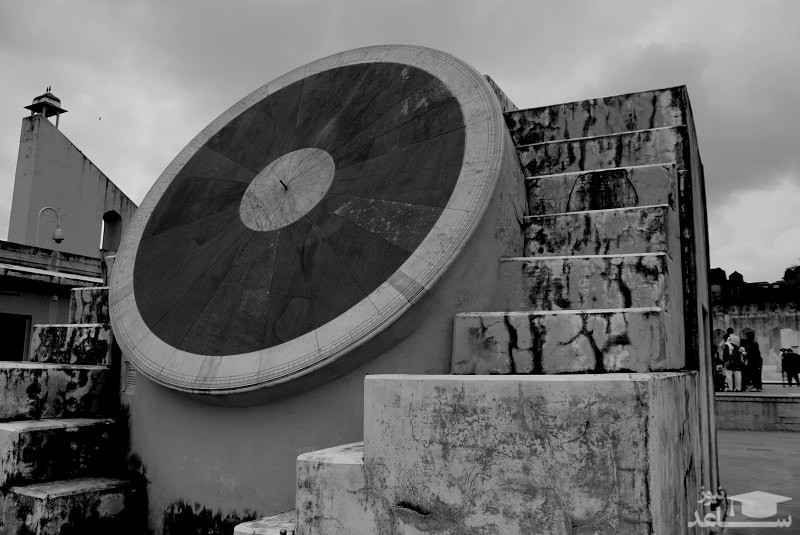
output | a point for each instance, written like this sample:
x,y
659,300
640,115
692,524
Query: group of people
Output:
x,y
737,363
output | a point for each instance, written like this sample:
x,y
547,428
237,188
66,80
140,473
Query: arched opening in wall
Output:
x,y
111,233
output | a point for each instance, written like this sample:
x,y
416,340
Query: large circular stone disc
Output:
x,y
306,219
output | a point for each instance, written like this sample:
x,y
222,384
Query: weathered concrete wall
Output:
x,y
593,341
603,189
89,305
579,283
616,453
89,343
240,461
334,493
629,231
32,391
737,412
51,171
47,450
597,117
49,508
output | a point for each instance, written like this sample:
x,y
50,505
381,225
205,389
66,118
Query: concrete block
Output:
x,y
595,117
72,343
601,232
86,505
34,390
89,305
611,453
644,147
280,524
562,342
334,496
584,282
604,189
42,450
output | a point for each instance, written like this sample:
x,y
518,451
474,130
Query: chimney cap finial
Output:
x,y
46,104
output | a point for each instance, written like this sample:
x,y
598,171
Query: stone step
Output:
x,y
642,147
585,282
89,305
85,505
553,342
620,187
88,343
34,390
643,229
610,453
280,524
43,450
596,117
331,487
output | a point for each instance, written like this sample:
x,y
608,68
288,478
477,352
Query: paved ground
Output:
x,y
765,461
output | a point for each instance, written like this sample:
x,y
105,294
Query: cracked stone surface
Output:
x,y
557,455
645,185
89,305
562,342
72,344
659,146
582,282
595,117
34,390
621,231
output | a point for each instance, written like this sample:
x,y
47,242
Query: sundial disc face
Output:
x,y
306,219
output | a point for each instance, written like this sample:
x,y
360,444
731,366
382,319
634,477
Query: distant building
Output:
x,y
56,187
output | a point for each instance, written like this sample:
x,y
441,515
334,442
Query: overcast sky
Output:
x,y
141,78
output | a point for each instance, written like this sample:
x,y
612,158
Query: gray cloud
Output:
x,y
141,78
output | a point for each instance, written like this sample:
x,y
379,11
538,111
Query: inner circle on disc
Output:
x,y
287,189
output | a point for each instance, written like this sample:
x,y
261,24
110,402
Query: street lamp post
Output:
x,y
58,233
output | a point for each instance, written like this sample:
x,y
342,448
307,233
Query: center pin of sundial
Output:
x,y
269,203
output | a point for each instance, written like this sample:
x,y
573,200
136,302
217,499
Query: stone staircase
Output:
x,y
599,288
62,441
571,410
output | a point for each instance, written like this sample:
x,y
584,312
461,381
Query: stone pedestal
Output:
x,y
580,454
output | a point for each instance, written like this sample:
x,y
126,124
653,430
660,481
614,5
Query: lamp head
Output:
x,y
58,235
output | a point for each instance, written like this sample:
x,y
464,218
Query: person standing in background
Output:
x,y
734,364
733,338
754,362
791,366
